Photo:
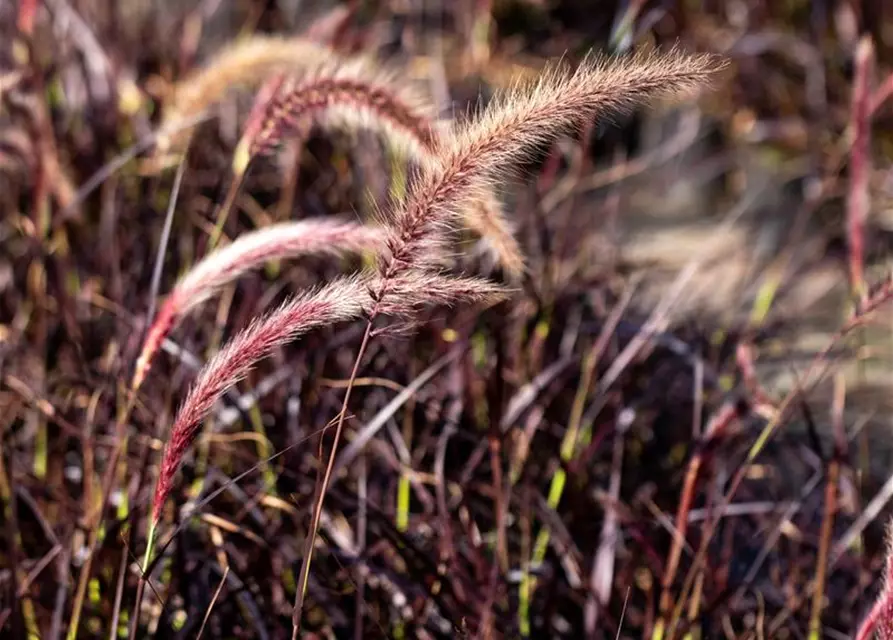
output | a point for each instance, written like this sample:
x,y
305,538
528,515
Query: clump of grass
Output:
x,y
461,168
288,240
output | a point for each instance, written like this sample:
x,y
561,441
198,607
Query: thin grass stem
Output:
x,y
301,588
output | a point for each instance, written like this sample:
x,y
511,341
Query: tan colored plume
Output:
x,y
245,64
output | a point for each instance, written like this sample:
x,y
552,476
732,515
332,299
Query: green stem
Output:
x,y
150,542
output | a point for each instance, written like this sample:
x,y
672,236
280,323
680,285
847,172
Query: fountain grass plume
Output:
x,y
360,94
341,300
349,94
477,154
287,240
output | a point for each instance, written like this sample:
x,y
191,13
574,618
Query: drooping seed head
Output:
x,y
358,94
288,240
338,301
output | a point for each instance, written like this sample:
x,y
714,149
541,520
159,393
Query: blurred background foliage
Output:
x,y
718,234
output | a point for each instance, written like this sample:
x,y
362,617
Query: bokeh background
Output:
x,y
690,310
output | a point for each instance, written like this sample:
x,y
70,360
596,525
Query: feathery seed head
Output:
x,y
317,236
499,137
341,300
353,94
326,236
417,289
246,65
161,326
255,122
